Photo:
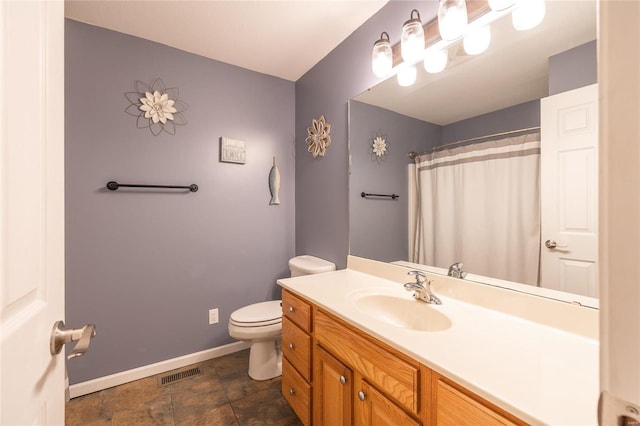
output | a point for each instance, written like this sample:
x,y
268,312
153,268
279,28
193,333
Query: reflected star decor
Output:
x,y
379,148
156,107
318,137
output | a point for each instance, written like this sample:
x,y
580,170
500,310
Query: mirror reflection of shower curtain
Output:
x,y
480,204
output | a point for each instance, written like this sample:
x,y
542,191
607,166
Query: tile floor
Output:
x,y
222,395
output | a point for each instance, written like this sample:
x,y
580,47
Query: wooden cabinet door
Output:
x,y
332,390
455,406
374,409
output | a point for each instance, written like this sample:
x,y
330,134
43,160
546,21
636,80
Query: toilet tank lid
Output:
x,y
311,264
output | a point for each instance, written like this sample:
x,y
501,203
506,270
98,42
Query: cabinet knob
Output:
x,y
343,380
361,395
291,346
291,309
291,391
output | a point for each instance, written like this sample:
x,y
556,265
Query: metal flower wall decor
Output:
x,y
318,137
156,107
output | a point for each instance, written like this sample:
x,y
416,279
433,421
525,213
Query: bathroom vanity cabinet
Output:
x,y
335,374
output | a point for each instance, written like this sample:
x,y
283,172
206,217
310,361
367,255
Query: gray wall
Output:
x,y
146,266
378,227
322,200
520,116
574,68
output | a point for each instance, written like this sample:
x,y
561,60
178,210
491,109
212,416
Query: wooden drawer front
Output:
x,y
297,392
396,377
457,407
297,310
296,347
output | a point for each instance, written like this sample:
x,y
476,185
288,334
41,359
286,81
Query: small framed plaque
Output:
x,y
232,151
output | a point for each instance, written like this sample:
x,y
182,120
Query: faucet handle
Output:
x,y
421,277
456,266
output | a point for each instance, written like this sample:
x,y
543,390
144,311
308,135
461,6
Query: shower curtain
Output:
x,y
480,204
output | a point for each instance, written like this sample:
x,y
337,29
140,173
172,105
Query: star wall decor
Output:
x,y
156,107
378,147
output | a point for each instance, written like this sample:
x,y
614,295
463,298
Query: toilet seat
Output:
x,y
261,314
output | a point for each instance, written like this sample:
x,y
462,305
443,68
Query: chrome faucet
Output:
x,y
422,292
456,271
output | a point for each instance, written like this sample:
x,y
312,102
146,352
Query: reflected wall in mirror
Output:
x,y
497,92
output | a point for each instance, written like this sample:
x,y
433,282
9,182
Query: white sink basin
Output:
x,y
402,312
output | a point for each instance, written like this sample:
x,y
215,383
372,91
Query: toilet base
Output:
x,y
265,359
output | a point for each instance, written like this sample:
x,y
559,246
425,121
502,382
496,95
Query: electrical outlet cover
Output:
x,y
213,316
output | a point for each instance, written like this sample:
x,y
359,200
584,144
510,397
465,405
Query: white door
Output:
x,y
569,191
31,210
618,65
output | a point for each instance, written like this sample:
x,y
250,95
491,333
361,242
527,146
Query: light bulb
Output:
x,y
452,19
499,5
412,41
477,41
435,61
528,14
382,56
407,76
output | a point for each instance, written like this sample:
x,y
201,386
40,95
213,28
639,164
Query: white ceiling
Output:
x,y
280,38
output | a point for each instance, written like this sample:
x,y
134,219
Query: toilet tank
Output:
x,y
307,265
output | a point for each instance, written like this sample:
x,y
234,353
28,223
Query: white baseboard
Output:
x,y
112,380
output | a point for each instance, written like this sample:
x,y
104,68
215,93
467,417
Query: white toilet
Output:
x,y
261,323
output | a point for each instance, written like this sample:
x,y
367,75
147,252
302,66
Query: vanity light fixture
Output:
x,y
435,60
382,56
452,19
499,5
528,14
407,76
412,40
452,24
478,40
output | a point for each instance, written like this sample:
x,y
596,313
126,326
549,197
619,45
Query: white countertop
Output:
x,y
539,373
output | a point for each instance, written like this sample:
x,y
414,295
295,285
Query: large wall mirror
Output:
x,y
523,99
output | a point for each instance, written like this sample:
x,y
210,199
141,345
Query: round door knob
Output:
x,y
291,309
291,391
361,395
343,380
291,346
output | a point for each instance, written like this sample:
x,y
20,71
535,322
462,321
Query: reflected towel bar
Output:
x,y
112,186
392,196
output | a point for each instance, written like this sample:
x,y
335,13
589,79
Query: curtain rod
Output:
x,y
414,154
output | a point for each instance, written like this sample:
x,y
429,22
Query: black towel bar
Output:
x,y
113,185
392,196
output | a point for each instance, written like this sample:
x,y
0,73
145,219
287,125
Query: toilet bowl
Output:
x,y
261,323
